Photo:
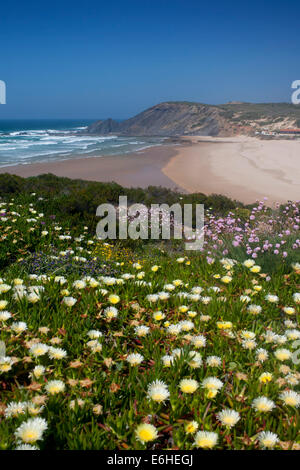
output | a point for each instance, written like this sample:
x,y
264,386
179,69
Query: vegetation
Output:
x,y
111,346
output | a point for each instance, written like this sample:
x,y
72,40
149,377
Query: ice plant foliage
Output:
x,y
103,347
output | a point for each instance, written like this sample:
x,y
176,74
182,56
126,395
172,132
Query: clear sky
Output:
x,y
114,58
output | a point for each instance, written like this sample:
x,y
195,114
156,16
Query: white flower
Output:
x,y
4,288
228,417
111,312
289,310
69,301
186,325
19,327
290,398
249,344
174,329
38,371
205,439
212,383
196,359
245,298
158,391
213,361
5,315
26,447
270,336
254,309
199,341
205,300
267,439
167,360
248,334
54,386
262,355
135,359
263,404
6,363
60,279
56,353
94,334
14,409
152,298
197,290
163,295
272,298
142,330
292,334
32,430
282,354
32,297
79,284
38,349
169,287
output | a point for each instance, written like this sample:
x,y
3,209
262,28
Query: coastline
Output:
x,y
139,169
242,168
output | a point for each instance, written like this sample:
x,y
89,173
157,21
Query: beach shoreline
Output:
x,y
138,169
242,168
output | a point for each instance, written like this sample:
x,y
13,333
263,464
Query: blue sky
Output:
x,y
94,59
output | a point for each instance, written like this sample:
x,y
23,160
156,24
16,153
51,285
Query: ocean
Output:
x,y
30,141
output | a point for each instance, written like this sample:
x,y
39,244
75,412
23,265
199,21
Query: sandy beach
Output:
x,y
139,169
243,168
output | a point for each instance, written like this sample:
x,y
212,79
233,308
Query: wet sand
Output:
x,y
139,169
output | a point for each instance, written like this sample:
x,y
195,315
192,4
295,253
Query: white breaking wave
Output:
x,y
28,146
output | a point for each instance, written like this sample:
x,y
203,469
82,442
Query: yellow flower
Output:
x,y
177,282
114,299
188,385
289,310
146,432
183,309
224,325
255,269
282,354
158,316
266,377
191,427
226,279
3,304
65,292
155,268
211,393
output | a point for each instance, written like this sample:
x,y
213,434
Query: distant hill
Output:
x,y
177,118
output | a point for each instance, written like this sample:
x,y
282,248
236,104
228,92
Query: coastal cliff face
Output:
x,y
184,118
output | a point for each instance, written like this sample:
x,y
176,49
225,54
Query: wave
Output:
x,y
33,145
